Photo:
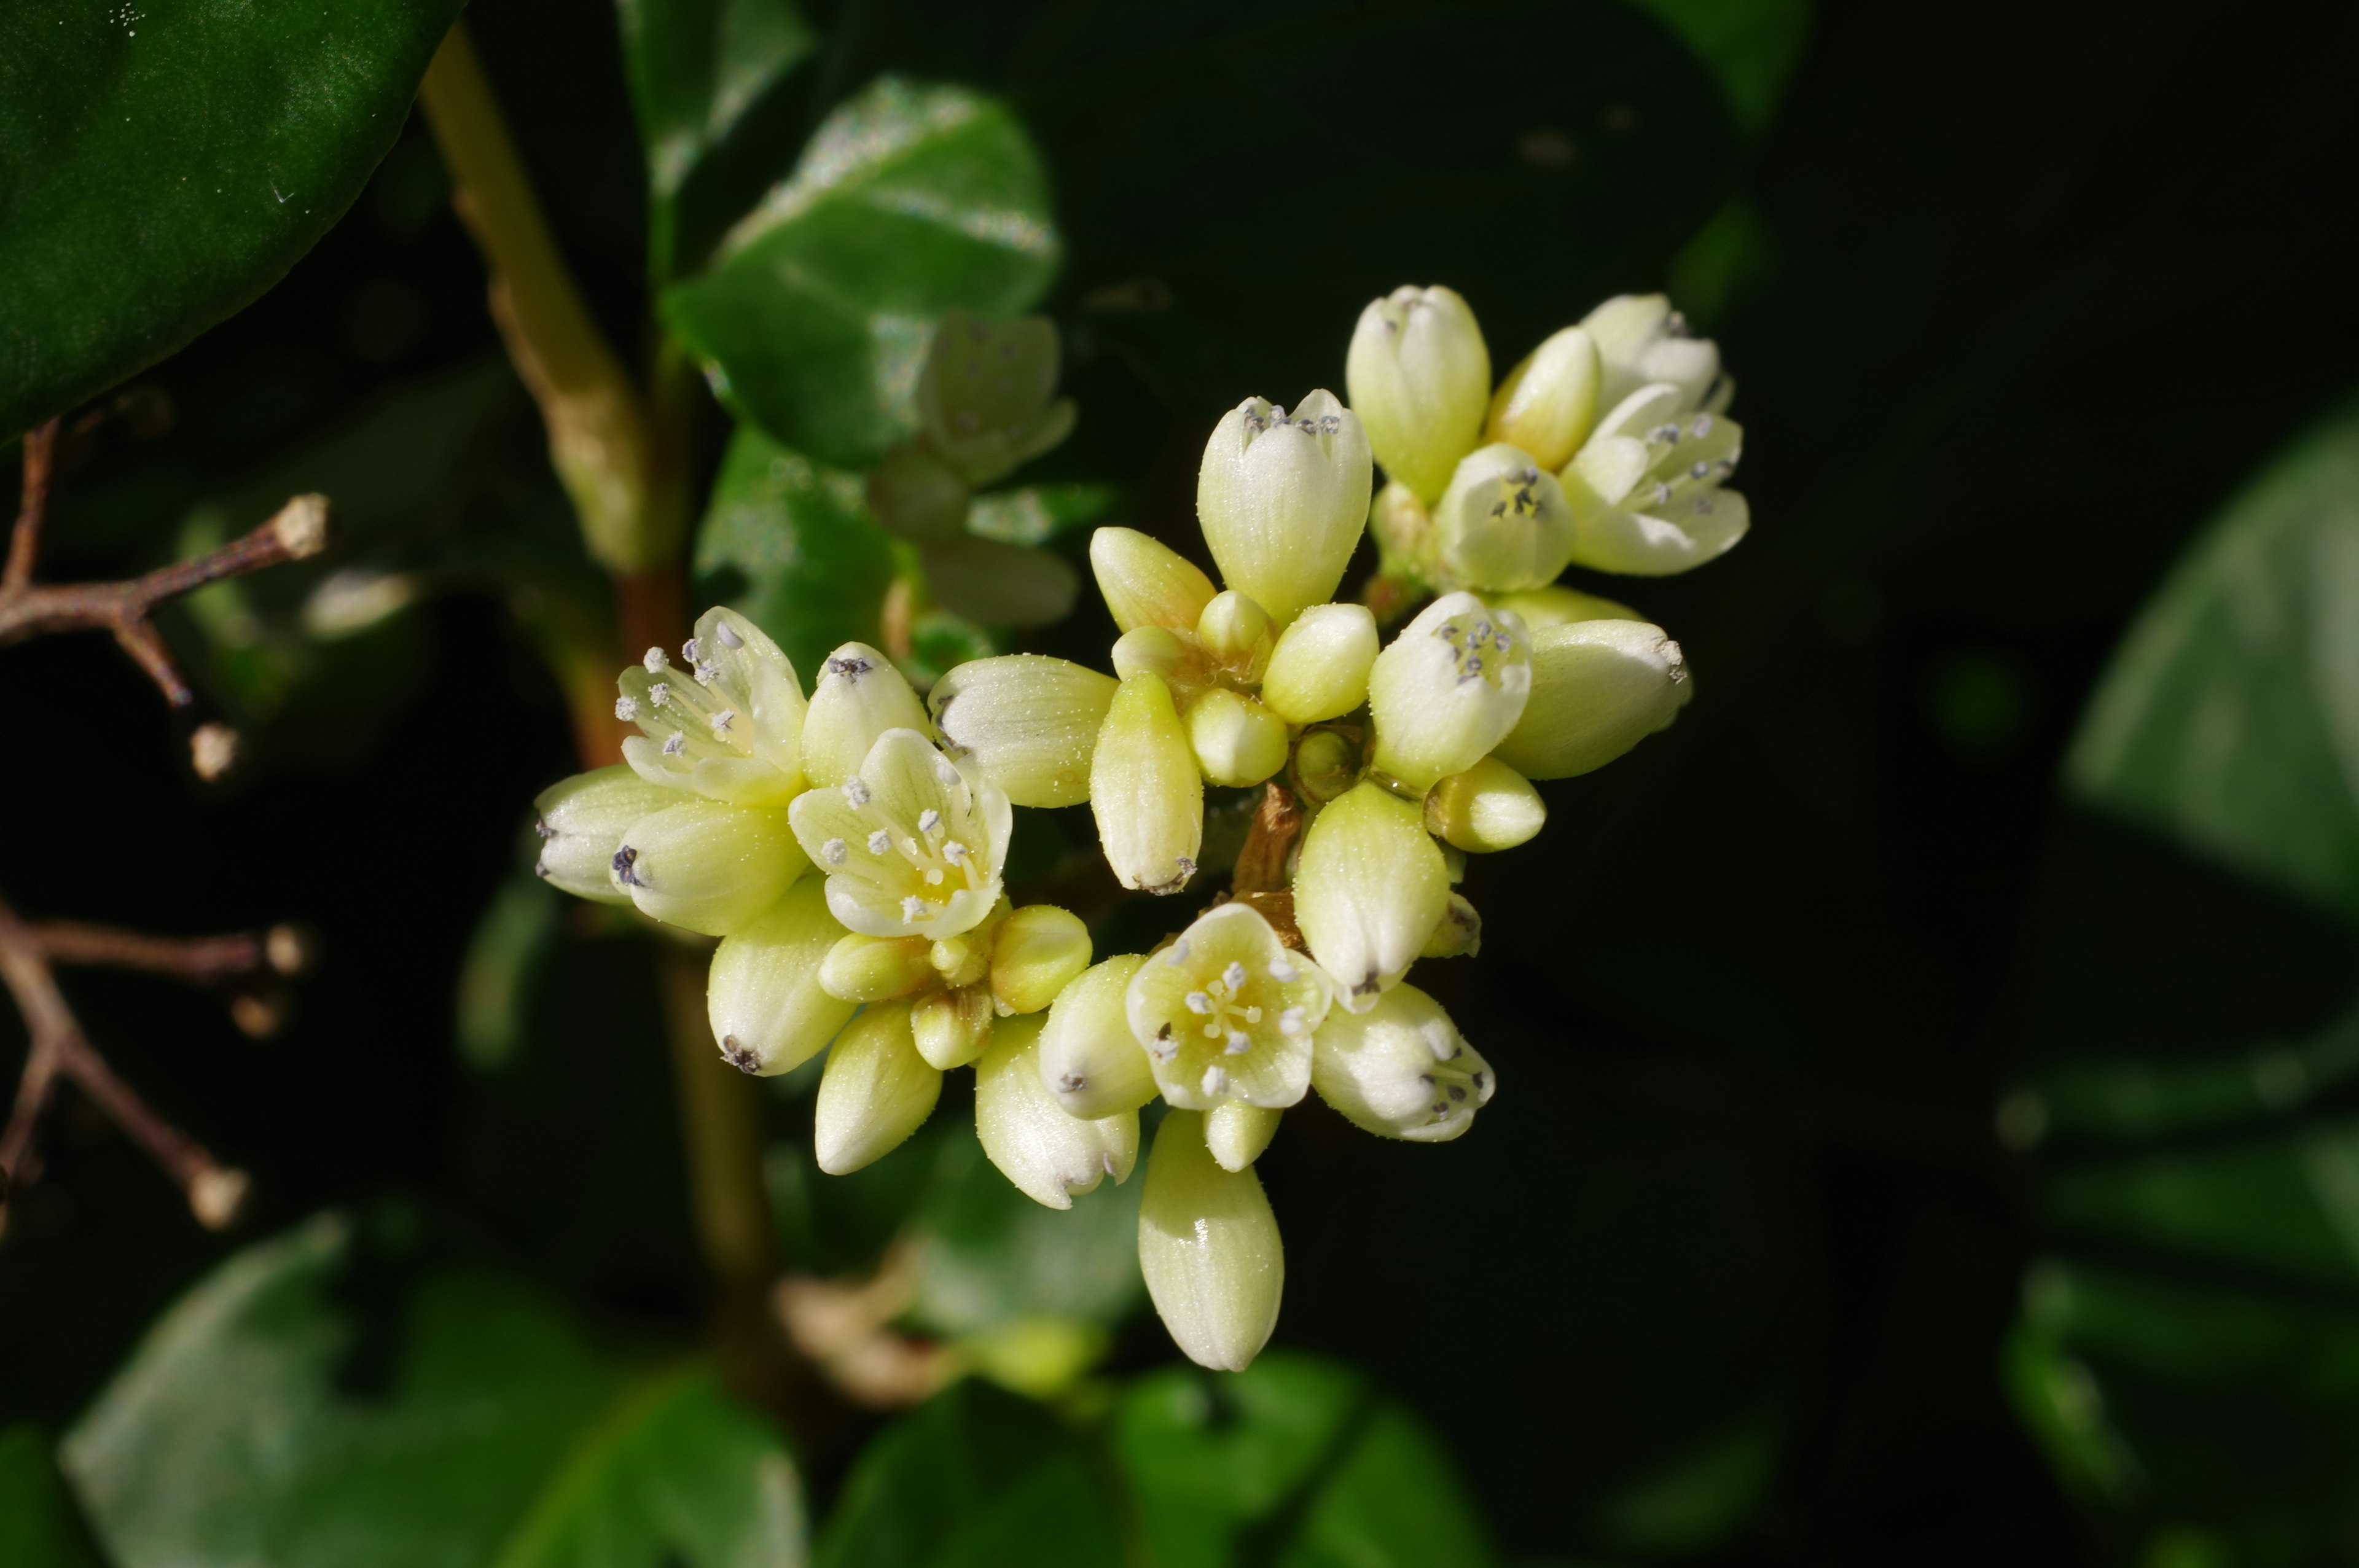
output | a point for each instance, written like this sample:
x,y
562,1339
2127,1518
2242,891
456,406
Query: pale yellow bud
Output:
x,y
768,1008
860,696
582,820
1320,667
707,866
1026,723
1419,378
1041,950
1459,933
1547,403
1236,1132
1237,742
1175,657
1145,582
1599,687
1368,891
1504,522
1448,689
874,1092
953,1027
1237,632
1325,765
1048,1155
1090,1060
1209,1247
1489,806
1146,791
1401,1069
876,968
1542,609
1641,339
1283,500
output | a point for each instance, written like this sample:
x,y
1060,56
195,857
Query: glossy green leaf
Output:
x,y
1752,46
815,317
790,545
40,1526
159,169
264,1420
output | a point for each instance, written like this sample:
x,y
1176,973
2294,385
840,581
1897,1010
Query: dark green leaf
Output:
x,y
40,1526
815,320
158,170
1752,46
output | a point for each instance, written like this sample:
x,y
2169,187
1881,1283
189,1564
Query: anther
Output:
x,y
660,693
687,652
657,660
727,636
626,709
625,859
1289,1022
850,669
856,790
1199,1003
720,721
1282,972
912,907
879,841
834,851
929,820
675,742
1238,1043
1234,977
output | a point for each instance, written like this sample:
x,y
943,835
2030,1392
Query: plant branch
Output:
x,y
33,508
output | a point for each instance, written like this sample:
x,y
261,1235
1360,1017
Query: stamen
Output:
x,y
1234,977
1289,1022
660,693
720,721
1239,1043
850,669
706,673
879,841
1283,972
912,907
856,790
955,852
934,877
1199,1003
657,661
688,653
675,742
945,774
1216,1082
929,820
626,709
626,859
834,851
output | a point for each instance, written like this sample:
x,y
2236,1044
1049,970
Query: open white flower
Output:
x,y
726,722
1645,490
910,846
1226,1013
1401,1069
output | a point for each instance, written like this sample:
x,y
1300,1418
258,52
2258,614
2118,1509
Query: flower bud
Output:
x,y
1282,501
1145,582
1368,891
768,1009
1319,669
1325,765
1503,521
582,820
1599,687
707,866
910,846
1236,1133
1144,789
874,1092
1237,742
1489,806
985,394
1403,526
1641,339
1226,1012
1459,933
1208,1247
1174,658
1401,1069
1542,609
964,959
915,495
1420,380
1236,633
998,583
1448,689
874,968
859,696
1048,1155
1041,949
727,723
1088,1059
952,1027
1026,723
1547,403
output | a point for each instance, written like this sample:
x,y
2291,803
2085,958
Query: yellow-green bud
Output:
x,y
1173,656
1237,632
1226,1012
706,866
860,696
1420,379
915,494
1237,742
1547,403
1236,1133
768,1010
1088,1059
876,968
1599,687
953,1027
1448,689
964,959
1401,1069
1041,950
1542,609
1207,1245
1368,891
984,395
1048,1155
1325,765
1144,789
1283,500
1489,806
1320,667
1503,521
874,1092
1641,339
582,820
1459,933
1145,582
1026,723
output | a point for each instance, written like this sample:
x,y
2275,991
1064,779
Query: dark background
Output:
x,y
2044,282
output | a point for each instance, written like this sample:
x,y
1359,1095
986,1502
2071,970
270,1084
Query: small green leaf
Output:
x,y
815,320
161,169
40,1526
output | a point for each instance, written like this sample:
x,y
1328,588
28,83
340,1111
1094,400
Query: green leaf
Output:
x,y
815,320
698,69
2229,719
161,169
40,1526
790,545
1752,46
264,1421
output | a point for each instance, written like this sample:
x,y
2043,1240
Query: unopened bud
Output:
x,y
874,1092
1320,667
582,820
953,1027
1641,339
1237,742
1547,403
1236,1133
984,396
1040,950
1489,806
1368,891
859,696
1282,500
876,968
1403,526
1173,656
769,1012
1048,1155
1237,632
707,866
1599,687
1209,1247
1448,689
1503,521
1027,722
1145,582
1146,791
1401,1069
1420,380
1090,1061
1459,933
915,495
1542,609
1325,765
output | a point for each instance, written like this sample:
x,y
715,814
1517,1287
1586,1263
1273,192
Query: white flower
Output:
x,y
1419,378
768,1010
1236,1132
859,696
1237,742
1282,500
1488,807
910,847
1641,339
1145,582
1645,492
725,722
1208,1247
1503,521
1370,886
1028,723
1448,689
1319,669
1401,1069
1089,1060
582,823
1038,951
1227,1010
1048,1154
1599,687
707,866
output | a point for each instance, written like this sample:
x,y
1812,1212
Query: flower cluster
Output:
x,y
1382,766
